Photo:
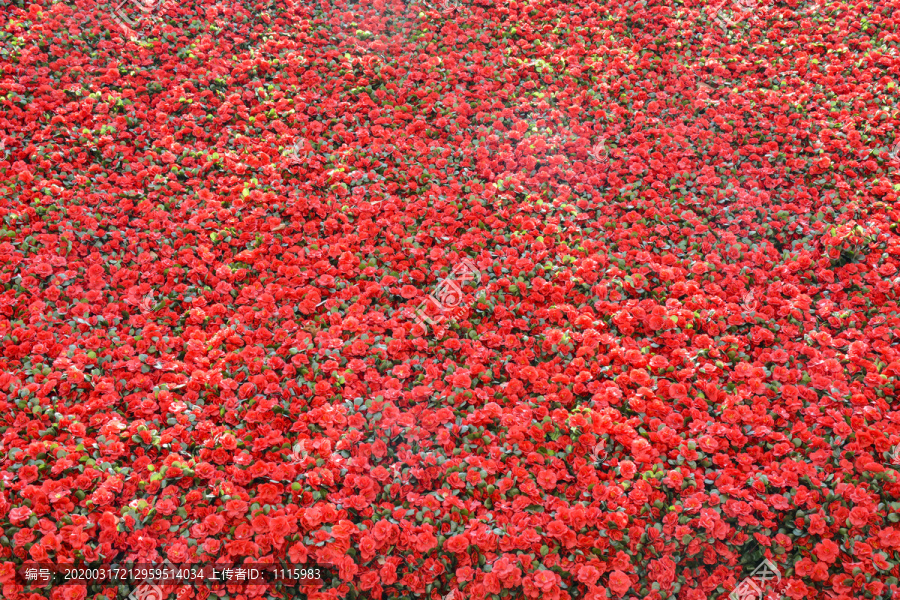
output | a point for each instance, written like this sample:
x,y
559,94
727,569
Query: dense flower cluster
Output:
x,y
680,359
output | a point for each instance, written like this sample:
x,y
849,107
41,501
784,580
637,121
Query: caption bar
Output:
x,y
43,574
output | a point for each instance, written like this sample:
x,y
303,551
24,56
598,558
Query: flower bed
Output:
x,y
451,300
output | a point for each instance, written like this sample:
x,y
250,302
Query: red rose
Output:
x,y
107,521
619,582
369,580
74,592
7,572
546,581
28,473
38,553
367,547
343,529
178,552
547,479
858,516
381,531
347,568
43,269
298,553
557,528
827,551
425,541
457,544
388,573
19,515
588,574
627,469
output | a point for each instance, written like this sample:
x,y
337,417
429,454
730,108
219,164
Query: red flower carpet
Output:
x,y
469,299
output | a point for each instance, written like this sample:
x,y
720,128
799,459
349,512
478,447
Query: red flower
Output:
x,y
7,572
19,515
457,544
367,547
343,529
388,573
827,551
546,479
627,469
858,516
547,582
619,582
679,324
297,553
